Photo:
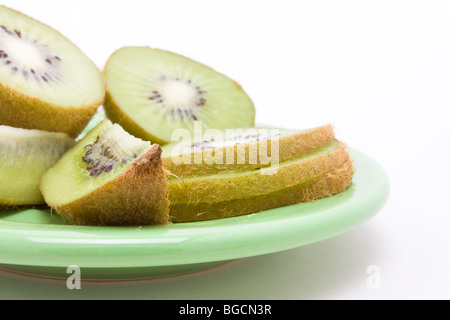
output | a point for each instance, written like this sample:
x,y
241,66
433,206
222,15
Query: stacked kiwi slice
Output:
x,y
130,168
319,166
241,149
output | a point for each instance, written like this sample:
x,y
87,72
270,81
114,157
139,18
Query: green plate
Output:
x,y
35,241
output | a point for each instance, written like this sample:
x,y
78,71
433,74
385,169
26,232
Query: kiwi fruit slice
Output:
x,y
109,178
25,155
320,186
242,149
151,93
46,82
229,186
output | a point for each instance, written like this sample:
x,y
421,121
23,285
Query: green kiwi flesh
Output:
x,y
25,155
250,149
151,93
46,82
109,178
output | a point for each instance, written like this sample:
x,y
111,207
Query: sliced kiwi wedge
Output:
x,y
317,187
109,178
25,155
242,149
46,82
151,93
229,186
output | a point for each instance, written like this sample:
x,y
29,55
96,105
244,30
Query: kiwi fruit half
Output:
x,y
46,82
109,178
151,93
242,149
24,157
228,187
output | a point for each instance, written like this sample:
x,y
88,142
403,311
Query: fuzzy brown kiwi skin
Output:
x,y
116,115
325,185
21,111
210,190
290,147
137,197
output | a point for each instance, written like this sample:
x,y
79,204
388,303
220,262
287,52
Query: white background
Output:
x,y
378,70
